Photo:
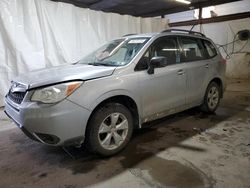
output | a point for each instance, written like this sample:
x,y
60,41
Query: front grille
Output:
x,y
16,97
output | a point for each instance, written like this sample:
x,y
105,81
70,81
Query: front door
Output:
x,y
163,91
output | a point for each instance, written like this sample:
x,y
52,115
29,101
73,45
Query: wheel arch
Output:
x,y
218,81
123,99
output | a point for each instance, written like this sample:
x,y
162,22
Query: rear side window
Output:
x,y
192,49
211,51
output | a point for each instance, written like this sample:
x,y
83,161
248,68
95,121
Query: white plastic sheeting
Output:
x,y
40,33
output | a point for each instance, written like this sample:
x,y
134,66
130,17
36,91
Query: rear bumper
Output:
x,y
63,123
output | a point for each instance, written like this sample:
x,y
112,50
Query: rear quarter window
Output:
x,y
211,51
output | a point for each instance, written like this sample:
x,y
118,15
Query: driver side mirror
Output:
x,y
157,62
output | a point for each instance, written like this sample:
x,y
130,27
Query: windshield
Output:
x,y
115,53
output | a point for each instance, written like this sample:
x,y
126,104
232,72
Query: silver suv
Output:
x,y
102,98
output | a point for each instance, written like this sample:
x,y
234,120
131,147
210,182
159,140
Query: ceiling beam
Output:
x,y
183,7
212,20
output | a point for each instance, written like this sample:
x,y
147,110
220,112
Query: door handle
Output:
x,y
206,66
180,72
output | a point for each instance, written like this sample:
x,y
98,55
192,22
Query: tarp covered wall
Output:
x,y
40,33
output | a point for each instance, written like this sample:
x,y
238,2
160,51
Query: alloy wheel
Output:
x,y
213,97
113,131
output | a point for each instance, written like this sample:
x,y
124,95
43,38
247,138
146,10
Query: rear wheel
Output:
x,y
212,98
110,129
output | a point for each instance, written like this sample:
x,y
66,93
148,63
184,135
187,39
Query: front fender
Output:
x,y
114,93
93,92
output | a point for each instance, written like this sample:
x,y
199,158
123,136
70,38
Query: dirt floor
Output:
x,y
189,149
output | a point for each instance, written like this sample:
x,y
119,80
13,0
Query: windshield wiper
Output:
x,y
100,64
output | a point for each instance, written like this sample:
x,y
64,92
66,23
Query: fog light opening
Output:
x,y
47,138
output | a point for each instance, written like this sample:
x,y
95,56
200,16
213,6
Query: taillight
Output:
x,y
224,61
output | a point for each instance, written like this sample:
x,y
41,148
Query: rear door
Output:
x,y
194,55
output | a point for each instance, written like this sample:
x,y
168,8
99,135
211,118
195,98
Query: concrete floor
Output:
x,y
189,149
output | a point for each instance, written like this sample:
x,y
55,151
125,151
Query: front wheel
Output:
x,y
212,98
110,129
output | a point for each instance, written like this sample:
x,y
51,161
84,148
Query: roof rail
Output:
x,y
184,31
129,35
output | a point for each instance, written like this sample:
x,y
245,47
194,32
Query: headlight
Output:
x,y
55,93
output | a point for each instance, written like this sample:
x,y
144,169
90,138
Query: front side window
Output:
x,y
115,53
164,47
192,49
167,48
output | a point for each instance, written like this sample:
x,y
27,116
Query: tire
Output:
x,y
109,130
212,98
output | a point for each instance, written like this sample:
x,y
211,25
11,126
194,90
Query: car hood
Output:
x,y
63,73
